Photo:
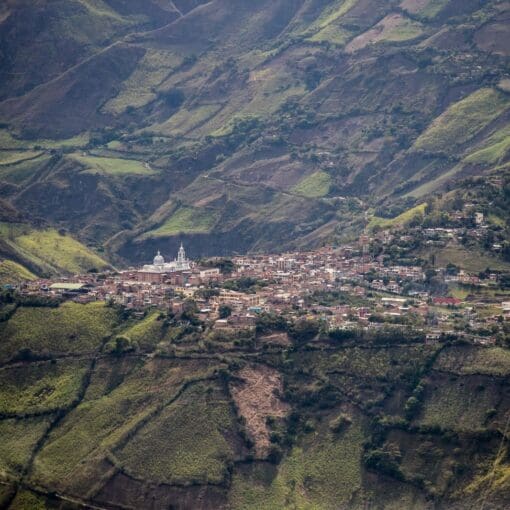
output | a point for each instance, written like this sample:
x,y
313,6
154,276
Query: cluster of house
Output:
x,y
291,283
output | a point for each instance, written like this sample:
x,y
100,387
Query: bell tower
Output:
x,y
181,256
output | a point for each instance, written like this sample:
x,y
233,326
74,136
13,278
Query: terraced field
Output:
x,y
289,426
113,166
328,101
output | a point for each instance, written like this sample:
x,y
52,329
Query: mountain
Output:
x,y
245,126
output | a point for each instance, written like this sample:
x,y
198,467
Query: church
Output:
x,y
159,268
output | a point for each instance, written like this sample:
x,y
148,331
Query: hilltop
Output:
x,y
245,126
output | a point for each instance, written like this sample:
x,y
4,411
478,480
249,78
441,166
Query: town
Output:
x,y
344,288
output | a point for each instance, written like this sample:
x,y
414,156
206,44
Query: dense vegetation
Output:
x,y
351,422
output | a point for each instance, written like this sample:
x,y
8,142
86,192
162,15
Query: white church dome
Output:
x,y
159,260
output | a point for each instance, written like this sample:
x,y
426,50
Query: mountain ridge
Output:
x,y
307,102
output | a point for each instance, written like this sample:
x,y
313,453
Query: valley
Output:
x,y
338,174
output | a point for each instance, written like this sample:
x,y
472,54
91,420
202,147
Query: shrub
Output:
x,y
275,454
224,311
120,345
305,330
266,323
385,460
340,423
490,413
173,97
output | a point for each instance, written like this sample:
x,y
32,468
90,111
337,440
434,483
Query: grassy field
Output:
x,y
40,387
268,88
468,360
314,186
187,442
12,157
458,403
139,89
146,333
26,500
113,166
393,28
323,471
8,141
121,395
186,120
401,219
19,437
458,291
151,332
22,170
436,183
77,141
13,273
334,13
333,34
404,31
50,250
186,220
493,479
427,9
494,151
462,121
466,259
70,328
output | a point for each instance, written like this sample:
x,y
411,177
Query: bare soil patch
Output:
x,y
276,339
375,34
257,397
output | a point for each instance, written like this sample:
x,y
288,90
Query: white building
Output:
x,y
181,263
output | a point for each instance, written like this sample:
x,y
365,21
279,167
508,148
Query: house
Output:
x,y
391,301
69,289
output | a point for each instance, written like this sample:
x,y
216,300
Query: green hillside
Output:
x,y
463,120
44,251
11,272
351,423
312,99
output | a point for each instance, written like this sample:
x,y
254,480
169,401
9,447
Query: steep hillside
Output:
x,y
44,251
178,419
42,39
242,125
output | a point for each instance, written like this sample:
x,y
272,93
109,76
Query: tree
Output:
x,y
452,269
224,311
173,97
122,344
267,323
305,330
